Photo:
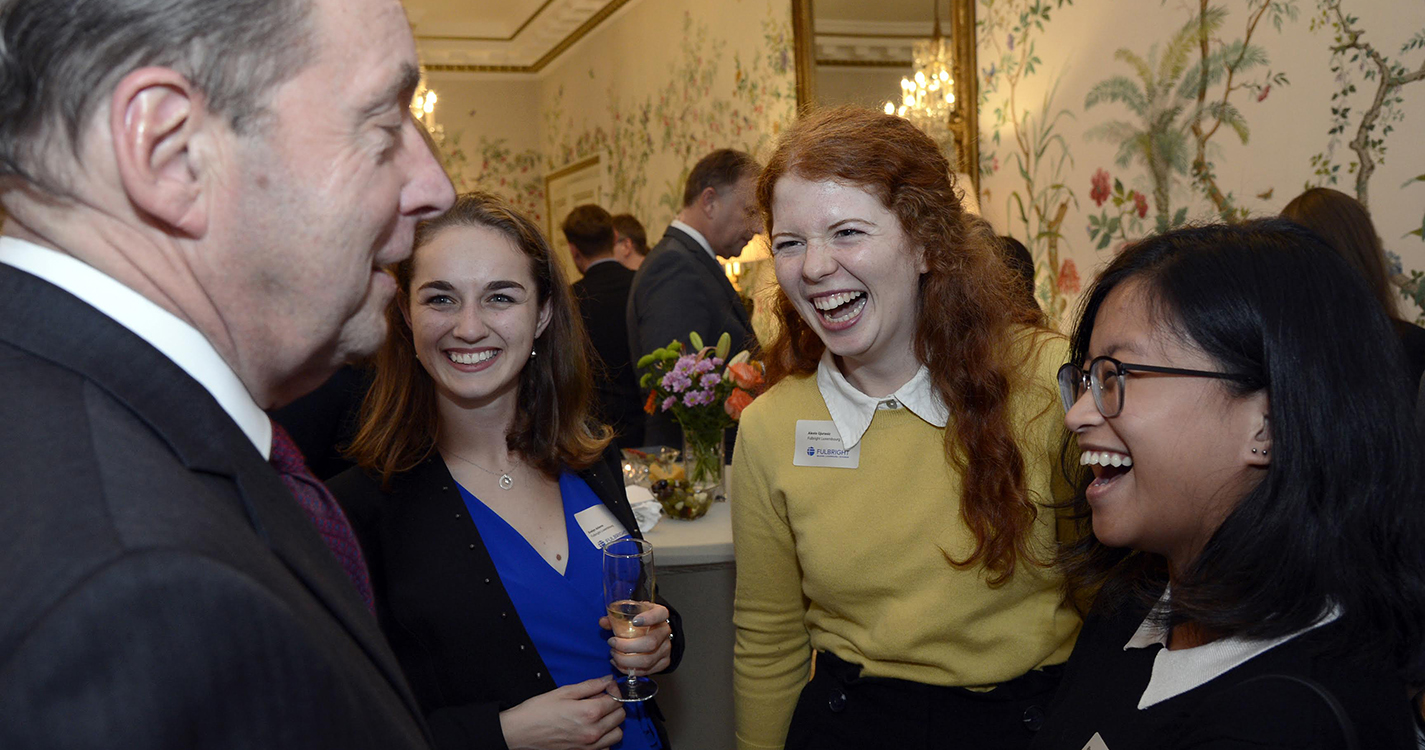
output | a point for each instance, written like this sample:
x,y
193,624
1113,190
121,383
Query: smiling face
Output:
x,y
474,314
1183,444
325,190
852,274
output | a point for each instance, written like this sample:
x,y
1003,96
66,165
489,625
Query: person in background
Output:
x,y
602,296
892,501
1347,228
681,287
630,241
483,492
1256,555
1021,265
198,198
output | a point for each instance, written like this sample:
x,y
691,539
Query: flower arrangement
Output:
x,y
702,395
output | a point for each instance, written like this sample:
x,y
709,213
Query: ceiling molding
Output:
x,y
867,43
550,31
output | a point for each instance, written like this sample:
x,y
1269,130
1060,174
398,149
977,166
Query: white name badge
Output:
x,y
819,444
1095,743
599,525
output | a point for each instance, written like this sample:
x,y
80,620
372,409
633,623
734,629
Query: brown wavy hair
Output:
x,y
552,428
1346,227
968,315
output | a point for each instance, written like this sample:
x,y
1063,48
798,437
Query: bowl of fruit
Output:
x,y
682,499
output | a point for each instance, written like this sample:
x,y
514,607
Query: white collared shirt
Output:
x,y
695,234
166,332
852,411
1176,672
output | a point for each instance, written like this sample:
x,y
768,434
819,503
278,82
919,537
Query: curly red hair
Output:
x,y
968,314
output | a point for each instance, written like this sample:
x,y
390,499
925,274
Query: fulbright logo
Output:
x,y
828,452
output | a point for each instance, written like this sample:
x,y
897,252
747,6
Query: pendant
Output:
x,y
506,481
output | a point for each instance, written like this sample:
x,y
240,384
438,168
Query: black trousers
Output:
x,y
841,709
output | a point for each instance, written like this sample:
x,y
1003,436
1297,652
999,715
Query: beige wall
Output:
x,y
649,91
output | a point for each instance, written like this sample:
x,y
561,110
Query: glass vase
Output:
x,y
703,460
699,485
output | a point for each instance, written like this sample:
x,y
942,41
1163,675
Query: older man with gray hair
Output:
x,y
200,198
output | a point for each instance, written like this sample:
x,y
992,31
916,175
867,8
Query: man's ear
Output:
x,y
154,116
707,201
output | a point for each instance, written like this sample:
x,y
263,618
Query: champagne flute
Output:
x,y
628,592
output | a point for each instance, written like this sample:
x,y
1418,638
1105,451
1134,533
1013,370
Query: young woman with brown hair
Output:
x,y
482,493
892,490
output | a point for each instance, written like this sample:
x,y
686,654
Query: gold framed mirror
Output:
x,y
857,52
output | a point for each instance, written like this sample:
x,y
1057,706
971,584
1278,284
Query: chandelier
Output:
x,y
928,98
423,109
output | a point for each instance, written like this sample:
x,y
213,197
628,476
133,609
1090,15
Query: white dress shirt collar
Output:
x,y
1176,672
163,330
696,235
852,411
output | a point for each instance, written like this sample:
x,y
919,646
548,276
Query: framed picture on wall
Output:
x,y
574,185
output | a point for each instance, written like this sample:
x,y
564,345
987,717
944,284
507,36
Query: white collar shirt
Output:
x,y
163,330
852,411
696,235
1176,672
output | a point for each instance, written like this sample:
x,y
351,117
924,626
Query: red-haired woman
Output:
x,y
892,489
482,494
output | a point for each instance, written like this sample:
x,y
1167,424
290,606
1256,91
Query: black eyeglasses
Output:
x,y
1106,379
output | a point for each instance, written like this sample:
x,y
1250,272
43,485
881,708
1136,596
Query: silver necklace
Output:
x,y
506,481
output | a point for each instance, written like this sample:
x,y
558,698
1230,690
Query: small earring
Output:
x,y
1254,450
532,353
1264,451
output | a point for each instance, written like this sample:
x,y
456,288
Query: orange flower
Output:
x,y
651,403
746,375
736,402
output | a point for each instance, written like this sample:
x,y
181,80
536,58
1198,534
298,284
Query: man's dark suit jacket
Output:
x,y
603,300
159,586
680,288
441,602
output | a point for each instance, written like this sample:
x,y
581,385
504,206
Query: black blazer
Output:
x,y
603,300
159,586
680,288
442,605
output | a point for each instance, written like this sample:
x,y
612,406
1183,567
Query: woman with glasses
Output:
x,y
892,505
1256,503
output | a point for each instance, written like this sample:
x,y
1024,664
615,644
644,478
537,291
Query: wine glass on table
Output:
x,y
628,593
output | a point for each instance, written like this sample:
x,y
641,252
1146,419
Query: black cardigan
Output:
x,y
442,606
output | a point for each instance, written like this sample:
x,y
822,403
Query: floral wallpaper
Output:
x,y
1099,126
650,91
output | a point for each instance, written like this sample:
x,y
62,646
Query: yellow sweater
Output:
x,y
854,561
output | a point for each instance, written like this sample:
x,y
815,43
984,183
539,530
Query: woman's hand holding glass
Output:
x,y
649,653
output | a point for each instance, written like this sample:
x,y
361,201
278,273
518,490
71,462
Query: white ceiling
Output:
x,y
525,35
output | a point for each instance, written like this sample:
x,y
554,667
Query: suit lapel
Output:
x,y
54,325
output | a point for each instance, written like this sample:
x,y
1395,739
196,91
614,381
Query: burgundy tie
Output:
x,y
321,508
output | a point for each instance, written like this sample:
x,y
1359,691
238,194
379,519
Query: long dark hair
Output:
x,y
1337,518
969,319
552,427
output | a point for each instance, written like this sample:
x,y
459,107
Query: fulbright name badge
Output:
x,y
819,444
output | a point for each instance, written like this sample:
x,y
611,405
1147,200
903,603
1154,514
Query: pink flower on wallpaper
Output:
x,y
1100,191
1140,203
1267,89
1068,277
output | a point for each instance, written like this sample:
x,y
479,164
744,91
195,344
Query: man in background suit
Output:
x,y
680,286
603,296
199,198
630,241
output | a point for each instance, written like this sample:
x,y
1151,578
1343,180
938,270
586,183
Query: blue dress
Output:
x,y
561,612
